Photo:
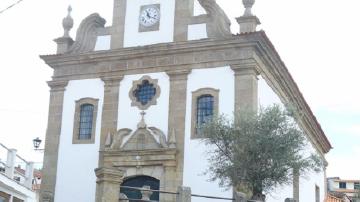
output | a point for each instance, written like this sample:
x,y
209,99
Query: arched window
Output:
x,y
205,102
85,121
139,182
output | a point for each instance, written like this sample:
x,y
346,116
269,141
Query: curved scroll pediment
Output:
x,y
142,139
87,34
218,24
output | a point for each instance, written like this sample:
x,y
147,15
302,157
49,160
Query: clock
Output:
x,y
149,17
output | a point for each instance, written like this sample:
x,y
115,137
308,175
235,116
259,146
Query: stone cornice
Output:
x,y
275,72
253,50
158,51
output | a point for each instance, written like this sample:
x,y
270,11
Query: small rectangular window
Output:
x,y
85,121
205,104
342,185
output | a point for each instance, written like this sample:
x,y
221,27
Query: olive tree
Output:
x,y
257,151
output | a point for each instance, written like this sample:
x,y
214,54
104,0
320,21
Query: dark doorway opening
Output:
x,y
140,181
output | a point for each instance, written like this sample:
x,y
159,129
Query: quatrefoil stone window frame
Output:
x,y
136,85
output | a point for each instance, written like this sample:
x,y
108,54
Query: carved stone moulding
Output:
x,y
138,87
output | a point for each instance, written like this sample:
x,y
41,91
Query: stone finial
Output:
x,y
248,22
172,139
65,42
248,4
68,23
142,124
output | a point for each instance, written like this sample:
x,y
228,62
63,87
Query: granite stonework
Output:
x,y
149,151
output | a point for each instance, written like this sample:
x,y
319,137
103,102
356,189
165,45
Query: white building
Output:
x,y
349,187
16,184
127,99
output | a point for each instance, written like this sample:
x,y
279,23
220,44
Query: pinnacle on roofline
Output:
x,y
248,22
68,23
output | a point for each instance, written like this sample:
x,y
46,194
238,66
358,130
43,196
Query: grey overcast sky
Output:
x,y
317,39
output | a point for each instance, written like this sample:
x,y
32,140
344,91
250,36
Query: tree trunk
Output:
x,y
258,195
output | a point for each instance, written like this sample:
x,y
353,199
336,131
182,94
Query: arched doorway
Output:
x,y
140,181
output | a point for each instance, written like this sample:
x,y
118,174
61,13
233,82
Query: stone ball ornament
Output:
x,y
248,4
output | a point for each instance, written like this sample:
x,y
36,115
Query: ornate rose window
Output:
x,y
144,92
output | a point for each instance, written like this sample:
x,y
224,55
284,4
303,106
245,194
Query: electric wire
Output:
x,y
12,5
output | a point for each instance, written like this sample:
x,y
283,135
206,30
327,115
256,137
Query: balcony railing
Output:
x,y
9,169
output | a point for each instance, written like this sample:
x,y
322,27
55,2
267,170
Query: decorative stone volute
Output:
x,y
248,22
68,23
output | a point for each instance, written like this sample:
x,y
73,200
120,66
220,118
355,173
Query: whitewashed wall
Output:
x,y
195,162
15,189
76,180
156,115
132,36
268,97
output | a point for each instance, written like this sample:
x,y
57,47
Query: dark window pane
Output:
x,y
86,119
145,92
205,109
139,182
357,185
342,185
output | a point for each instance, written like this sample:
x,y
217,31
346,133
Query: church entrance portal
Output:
x,y
140,181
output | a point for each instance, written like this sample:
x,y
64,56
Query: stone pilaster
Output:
x,y
108,183
110,110
184,194
177,109
246,87
170,183
183,14
118,27
52,140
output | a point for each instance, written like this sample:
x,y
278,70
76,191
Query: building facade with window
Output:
x,y
19,181
350,188
128,100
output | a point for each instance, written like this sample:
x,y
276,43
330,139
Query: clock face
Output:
x,y
149,16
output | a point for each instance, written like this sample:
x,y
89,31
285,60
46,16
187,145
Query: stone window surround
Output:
x,y
153,101
78,105
195,95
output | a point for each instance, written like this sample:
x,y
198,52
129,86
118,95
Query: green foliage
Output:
x,y
258,151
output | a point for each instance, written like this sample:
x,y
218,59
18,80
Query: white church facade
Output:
x,y
126,101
